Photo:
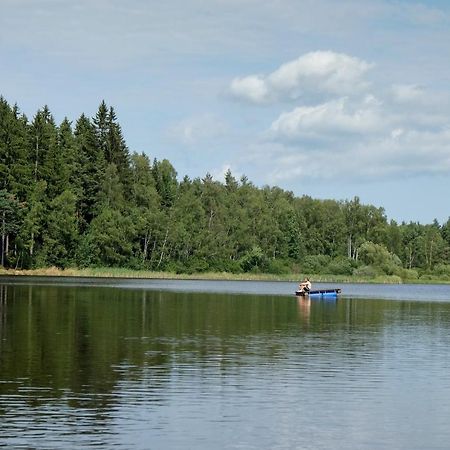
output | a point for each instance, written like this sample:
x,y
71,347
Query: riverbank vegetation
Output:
x,y
73,195
112,272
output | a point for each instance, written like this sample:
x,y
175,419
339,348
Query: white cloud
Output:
x,y
405,93
331,118
252,88
398,154
332,72
324,72
397,132
416,107
374,131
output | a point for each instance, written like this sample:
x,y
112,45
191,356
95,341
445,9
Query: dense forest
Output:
x,y
73,195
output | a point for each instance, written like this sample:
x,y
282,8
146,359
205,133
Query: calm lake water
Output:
x,y
144,364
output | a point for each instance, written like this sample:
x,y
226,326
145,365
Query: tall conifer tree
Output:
x,y
44,155
91,165
14,168
110,139
68,155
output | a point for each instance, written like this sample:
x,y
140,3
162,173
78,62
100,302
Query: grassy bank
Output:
x,y
105,272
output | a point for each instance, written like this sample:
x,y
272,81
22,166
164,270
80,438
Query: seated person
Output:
x,y
305,285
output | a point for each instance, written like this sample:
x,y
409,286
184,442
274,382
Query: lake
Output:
x,y
165,364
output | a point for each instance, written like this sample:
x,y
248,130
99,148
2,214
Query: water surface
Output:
x,y
173,365
431,292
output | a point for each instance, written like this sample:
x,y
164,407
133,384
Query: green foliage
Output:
x,y
77,196
229,265
165,177
378,256
253,260
388,279
10,212
111,193
192,265
367,272
15,170
44,156
61,234
408,274
442,271
109,239
278,267
89,171
445,231
33,225
341,265
86,254
315,263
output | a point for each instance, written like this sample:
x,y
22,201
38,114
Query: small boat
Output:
x,y
319,293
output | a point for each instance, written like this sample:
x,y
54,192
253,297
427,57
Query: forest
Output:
x,y
74,195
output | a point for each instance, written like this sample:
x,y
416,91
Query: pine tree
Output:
x,y
44,155
120,155
111,141
230,182
166,181
68,154
91,165
15,173
101,130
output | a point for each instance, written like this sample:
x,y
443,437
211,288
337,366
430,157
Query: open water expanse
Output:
x,y
152,364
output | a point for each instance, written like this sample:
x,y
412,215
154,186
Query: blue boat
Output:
x,y
319,293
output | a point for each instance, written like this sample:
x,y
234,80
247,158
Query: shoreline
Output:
x,y
225,276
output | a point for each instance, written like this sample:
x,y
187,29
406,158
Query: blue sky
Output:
x,y
333,99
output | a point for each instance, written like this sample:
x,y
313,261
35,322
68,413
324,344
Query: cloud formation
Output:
x,y
401,154
362,129
320,72
337,117
405,93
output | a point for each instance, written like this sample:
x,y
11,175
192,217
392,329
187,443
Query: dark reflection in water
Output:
x,y
121,368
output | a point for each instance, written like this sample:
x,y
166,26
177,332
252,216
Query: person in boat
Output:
x,y
305,286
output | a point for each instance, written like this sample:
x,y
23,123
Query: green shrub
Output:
x,y
316,264
196,265
226,265
377,255
278,267
407,274
391,279
429,277
341,266
253,260
175,267
367,272
442,270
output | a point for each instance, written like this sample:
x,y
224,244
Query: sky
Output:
x,y
327,98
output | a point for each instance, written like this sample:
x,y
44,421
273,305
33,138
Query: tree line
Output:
x,y
73,195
